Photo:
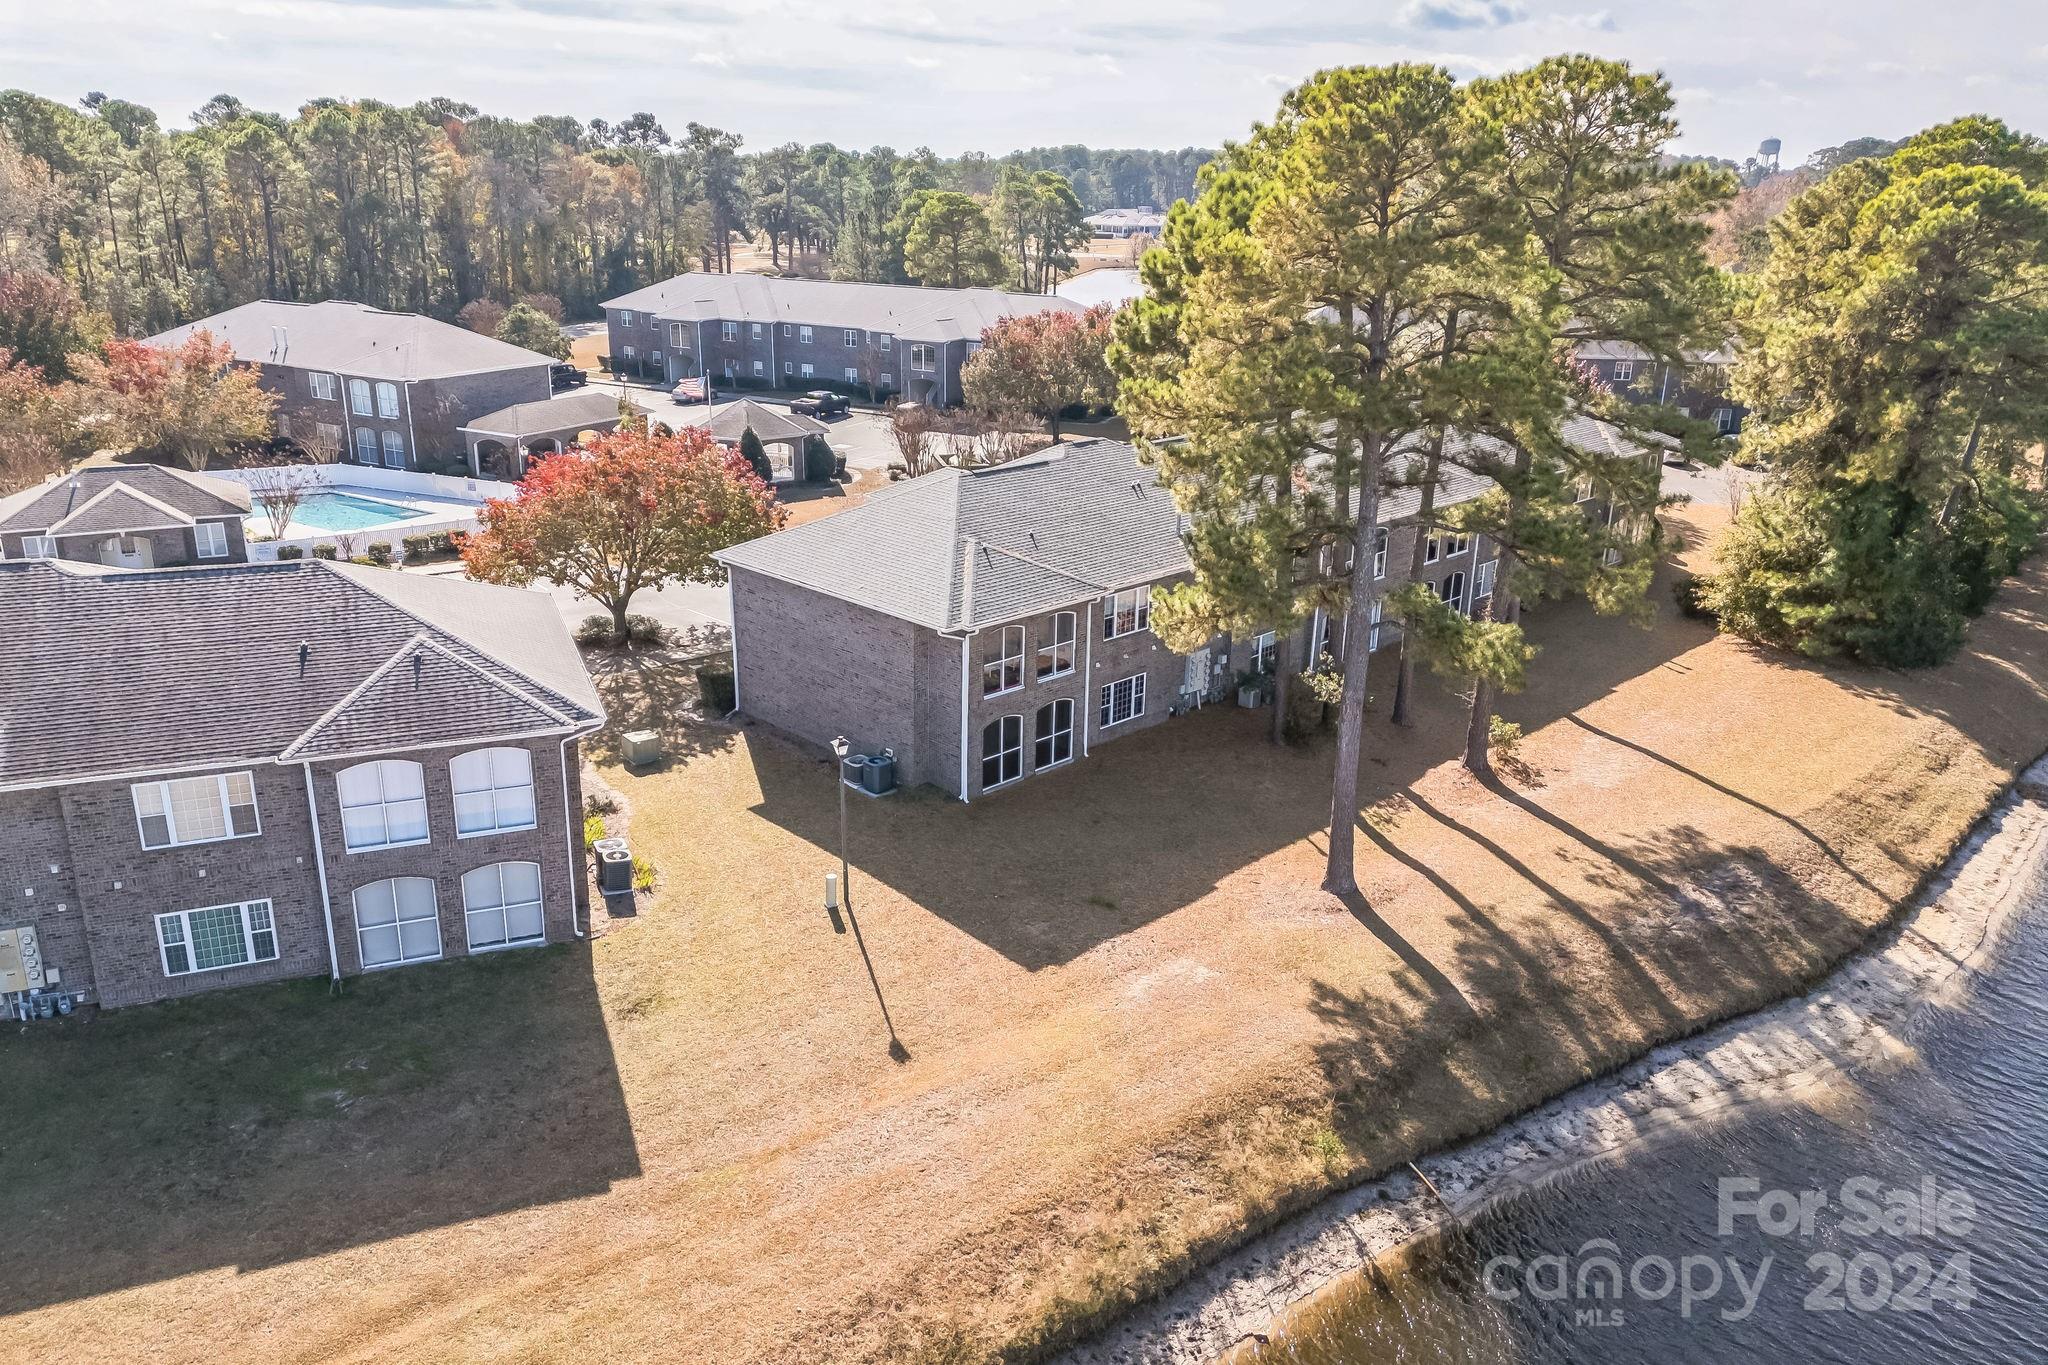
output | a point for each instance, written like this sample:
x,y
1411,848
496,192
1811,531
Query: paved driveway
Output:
x,y
862,435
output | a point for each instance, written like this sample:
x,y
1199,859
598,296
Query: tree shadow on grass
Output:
x,y
268,1124
654,690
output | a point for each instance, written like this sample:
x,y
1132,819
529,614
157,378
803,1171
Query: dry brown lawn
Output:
x,y
1129,1026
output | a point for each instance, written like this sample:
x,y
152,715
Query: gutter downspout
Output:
x,y
320,866
569,834
968,549
1088,673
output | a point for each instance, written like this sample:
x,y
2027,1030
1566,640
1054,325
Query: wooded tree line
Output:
x,y
430,206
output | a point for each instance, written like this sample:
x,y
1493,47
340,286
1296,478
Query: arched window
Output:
x,y
383,804
1053,734
387,401
493,791
1002,751
502,905
397,920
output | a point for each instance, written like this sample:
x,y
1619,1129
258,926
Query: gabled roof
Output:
x,y
903,310
355,339
573,412
115,672
120,507
150,491
770,424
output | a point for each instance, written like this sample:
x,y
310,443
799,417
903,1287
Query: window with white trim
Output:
x,y
1724,421
923,357
888,381
625,317
366,446
852,375
387,401
1056,655
1624,371
884,340
359,396
394,449
789,367
675,336
1265,652
196,810
1380,541
1482,580
730,372
217,936
729,331
330,436
383,804
785,329
320,385
1372,640
493,790
654,357
1002,661
1127,612
397,920
808,371
754,330
759,370
629,351
1452,590
39,547
1053,734
501,904
804,335
210,540
1123,700
852,335
1002,751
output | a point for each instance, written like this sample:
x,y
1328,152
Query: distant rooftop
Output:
x,y
355,339
903,310
121,497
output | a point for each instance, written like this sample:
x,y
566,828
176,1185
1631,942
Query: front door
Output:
x,y
127,552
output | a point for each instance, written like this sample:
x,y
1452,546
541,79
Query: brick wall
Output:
x,y
168,548
111,889
439,406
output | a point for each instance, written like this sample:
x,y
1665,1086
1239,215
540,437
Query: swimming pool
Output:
x,y
334,511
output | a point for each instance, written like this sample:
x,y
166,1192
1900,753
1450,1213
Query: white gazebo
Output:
x,y
499,442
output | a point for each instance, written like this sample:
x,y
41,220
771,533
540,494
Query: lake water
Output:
x,y
1897,1214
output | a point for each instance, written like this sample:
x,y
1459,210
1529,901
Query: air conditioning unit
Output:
x,y
21,961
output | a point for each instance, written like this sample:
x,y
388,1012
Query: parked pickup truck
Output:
x,y
566,377
821,403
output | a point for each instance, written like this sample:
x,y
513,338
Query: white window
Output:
x,y
754,330
397,921
330,436
852,338
888,381
366,446
359,396
394,449
1265,652
1379,553
493,790
729,330
729,371
789,367
502,905
808,371
1452,590
1053,734
1624,371
1002,751
626,317
852,375
804,335
196,810
759,369
322,385
1482,580
383,804
39,547
1586,488
1127,612
215,937
629,351
884,340
1002,662
1724,420
1123,700
1372,641
654,356
1431,547
387,402
675,335
785,329
1056,655
922,357
211,539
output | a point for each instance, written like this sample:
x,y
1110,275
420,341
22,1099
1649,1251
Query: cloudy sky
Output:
x,y
968,74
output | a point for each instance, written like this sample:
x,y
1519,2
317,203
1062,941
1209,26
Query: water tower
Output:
x,y
1768,150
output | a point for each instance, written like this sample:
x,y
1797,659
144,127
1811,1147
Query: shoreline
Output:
x,y
1849,1017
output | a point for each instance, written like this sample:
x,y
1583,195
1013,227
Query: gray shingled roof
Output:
x,y
190,496
902,310
573,412
355,339
117,672
770,424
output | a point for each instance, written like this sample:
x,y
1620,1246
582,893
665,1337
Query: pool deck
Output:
x,y
424,507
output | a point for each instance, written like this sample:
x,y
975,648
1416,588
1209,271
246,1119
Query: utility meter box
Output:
x,y
21,961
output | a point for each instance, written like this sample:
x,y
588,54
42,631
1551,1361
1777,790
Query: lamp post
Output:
x,y
839,750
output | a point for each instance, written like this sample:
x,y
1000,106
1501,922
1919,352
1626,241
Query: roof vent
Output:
x,y
305,656
419,663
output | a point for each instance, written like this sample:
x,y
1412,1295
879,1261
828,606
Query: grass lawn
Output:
x,y
1127,1025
